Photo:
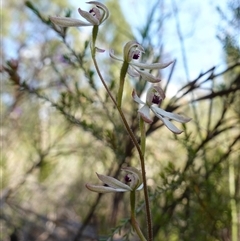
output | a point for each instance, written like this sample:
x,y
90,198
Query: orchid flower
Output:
x,y
96,16
133,178
154,97
131,52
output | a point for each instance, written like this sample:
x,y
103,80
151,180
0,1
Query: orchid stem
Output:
x,y
94,37
143,135
133,217
121,85
143,147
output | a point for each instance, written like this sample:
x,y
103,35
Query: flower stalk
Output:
x,y
94,37
123,74
133,217
143,135
146,196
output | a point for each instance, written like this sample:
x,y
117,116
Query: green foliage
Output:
x,y
45,170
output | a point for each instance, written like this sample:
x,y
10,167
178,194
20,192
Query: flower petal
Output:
x,y
145,113
169,124
99,50
137,176
128,48
103,189
103,7
68,22
111,54
133,170
155,90
113,182
147,76
169,115
132,72
140,187
136,98
89,17
151,66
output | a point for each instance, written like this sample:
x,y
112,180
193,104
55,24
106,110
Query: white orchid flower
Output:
x,y
96,16
131,52
155,95
133,178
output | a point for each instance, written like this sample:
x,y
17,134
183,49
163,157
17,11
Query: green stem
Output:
x,y
143,135
133,218
94,38
143,147
121,84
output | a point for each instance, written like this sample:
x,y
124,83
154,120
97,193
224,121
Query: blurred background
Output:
x,y
59,127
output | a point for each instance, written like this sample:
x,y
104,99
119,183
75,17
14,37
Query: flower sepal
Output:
x,y
68,22
96,16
